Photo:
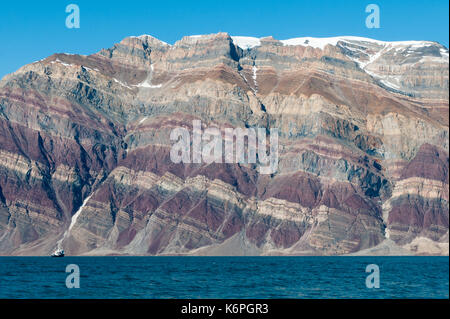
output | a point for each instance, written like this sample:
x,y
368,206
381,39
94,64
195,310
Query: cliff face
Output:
x,y
363,148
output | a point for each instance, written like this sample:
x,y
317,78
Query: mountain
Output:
x,y
363,149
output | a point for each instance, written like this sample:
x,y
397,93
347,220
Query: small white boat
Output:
x,y
58,253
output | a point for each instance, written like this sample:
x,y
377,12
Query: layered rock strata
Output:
x,y
363,148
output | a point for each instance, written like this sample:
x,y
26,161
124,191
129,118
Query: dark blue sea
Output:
x,y
224,277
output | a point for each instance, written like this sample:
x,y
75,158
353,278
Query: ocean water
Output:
x,y
224,277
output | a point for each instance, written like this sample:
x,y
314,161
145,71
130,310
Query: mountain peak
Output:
x,y
250,42
147,38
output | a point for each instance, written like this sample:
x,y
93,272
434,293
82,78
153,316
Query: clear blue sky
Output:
x,y
32,30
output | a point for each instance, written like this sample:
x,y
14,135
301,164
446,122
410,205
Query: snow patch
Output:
x,y
88,68
322,42
255,70
319,43
121,83
75,217
147,82
73,220
61,62
142,121
372,58
246,43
